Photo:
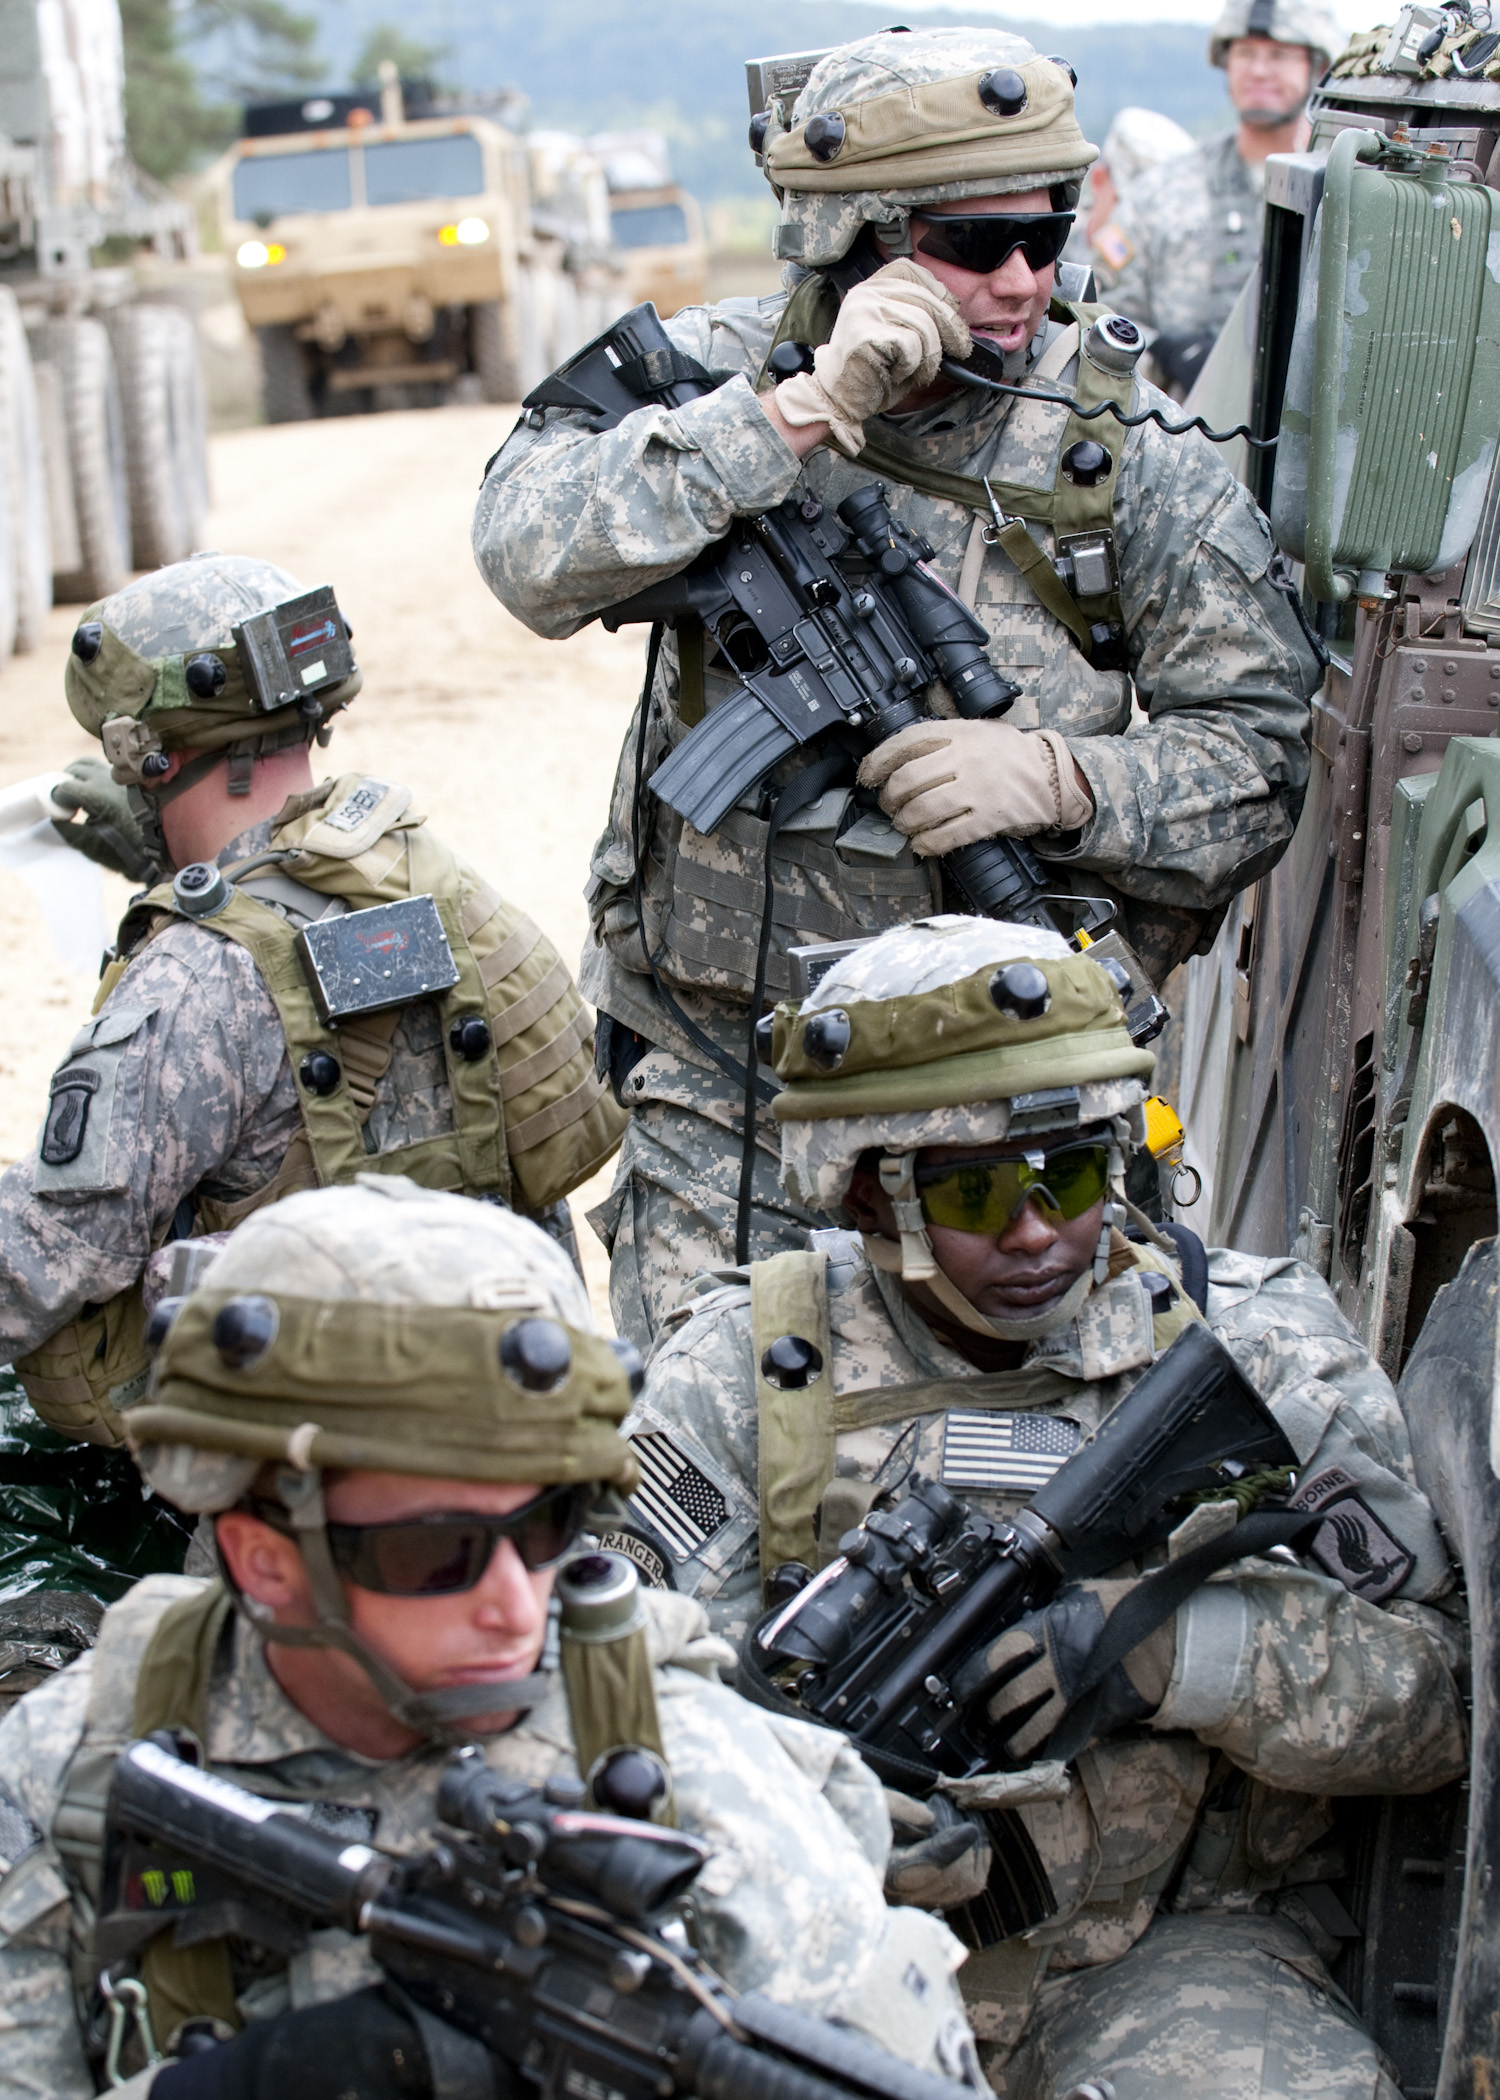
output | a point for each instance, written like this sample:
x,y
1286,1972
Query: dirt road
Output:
x,y
509,742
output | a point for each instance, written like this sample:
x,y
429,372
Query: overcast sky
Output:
x,y
1354,14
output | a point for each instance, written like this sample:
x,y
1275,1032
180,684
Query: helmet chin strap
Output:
x,y
914,1261
429,1714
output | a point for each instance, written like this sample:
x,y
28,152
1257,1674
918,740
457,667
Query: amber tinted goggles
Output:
x,y
983,1195
987,240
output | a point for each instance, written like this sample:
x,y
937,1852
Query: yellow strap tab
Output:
x,y
789,1295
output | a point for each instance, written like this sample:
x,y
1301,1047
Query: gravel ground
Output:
x,y
509,742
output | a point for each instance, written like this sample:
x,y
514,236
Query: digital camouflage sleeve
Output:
x,y
790,1901
1196,792
1307,1685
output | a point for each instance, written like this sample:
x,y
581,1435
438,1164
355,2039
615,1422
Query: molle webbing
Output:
x,y
798,1431
789,1295
150,1669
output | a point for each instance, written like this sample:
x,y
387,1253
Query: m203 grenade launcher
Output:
x,y
833,624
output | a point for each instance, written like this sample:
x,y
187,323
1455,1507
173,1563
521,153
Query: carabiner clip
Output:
x,y
127,2002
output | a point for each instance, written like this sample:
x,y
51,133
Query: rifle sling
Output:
x,y
1153,1601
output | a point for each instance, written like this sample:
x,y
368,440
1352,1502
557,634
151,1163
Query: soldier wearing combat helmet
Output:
x,y
1180,246
927,183
964,1093
242,1045
392,1406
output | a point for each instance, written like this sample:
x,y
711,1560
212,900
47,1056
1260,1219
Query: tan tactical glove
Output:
x,y
1040,1661
891,334
940,1858
947,783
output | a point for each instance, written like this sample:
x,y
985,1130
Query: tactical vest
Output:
x,y
152,1668
833,880
805,1507
530,1118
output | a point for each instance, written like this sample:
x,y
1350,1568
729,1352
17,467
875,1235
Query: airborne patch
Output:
x,y
72,1092
1006,1453
1351,1544
676,1500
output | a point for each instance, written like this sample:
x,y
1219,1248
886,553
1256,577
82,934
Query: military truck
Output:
x,y
103,461
657,226
1341,1045
385,254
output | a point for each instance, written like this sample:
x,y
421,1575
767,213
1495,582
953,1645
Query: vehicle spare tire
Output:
x,y
1447,1395
161,396
286,395
23,474
78,349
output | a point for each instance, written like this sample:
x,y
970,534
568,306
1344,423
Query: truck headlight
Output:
x,y
468,233
254,255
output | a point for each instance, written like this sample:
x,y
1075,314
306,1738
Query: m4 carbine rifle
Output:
x,y
546,1933
833,624
888,1642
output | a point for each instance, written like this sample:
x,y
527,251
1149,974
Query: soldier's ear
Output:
x,y
264,1565
867,1204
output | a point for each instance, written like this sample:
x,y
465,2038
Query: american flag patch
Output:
x,y
678,1501
1006,1452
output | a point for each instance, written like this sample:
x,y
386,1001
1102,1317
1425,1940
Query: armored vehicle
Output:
x,y
1341,1045
103,464
383,252
657,226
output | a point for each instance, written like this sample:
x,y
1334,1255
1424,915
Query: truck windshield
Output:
x,y
404,171
650,226
268,184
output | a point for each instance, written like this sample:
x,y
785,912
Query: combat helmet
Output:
x,y
222,656
1282,22
907,118
390,1327
955,1030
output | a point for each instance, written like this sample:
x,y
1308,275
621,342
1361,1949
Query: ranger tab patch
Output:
x,y
676,1501
1010,1454
1351,1544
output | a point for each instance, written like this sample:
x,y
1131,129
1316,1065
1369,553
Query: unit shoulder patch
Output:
x,y
71,1095
1351,1544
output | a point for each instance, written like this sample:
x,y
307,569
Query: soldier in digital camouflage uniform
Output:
x,y
1179,247
205,1083
353,1714
1181,1960
1167,811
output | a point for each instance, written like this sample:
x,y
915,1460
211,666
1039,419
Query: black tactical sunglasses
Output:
x,y
986,241
441,1555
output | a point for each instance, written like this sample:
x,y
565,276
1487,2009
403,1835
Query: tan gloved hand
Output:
x,y
947,783
891,334
939,1859
1040,1660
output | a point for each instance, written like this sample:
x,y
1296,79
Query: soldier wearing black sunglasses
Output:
x,y
392,1405
1156,755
